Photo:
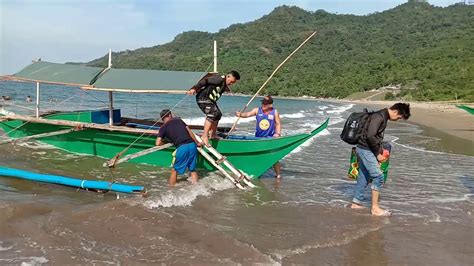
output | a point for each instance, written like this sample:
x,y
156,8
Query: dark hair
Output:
x,y
164,113
267,100
235,74
403,109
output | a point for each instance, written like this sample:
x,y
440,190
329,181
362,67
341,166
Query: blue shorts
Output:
x,y
185,157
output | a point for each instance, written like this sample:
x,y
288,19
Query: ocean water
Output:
x,y
303,219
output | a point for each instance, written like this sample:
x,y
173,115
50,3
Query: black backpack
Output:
x,y
355,126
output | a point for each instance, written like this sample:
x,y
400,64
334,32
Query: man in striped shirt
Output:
x,y
208,91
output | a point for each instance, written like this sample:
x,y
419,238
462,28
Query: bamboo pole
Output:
x,y
37,136
219,157
13,78
215,56
111,108
37,99
269,78
135,91
206,156
113,162
20,106
80,124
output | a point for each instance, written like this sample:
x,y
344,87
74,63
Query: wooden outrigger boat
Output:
x,y
105,133
252,156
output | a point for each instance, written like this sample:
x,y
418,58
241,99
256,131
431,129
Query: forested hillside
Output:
x,y
427,49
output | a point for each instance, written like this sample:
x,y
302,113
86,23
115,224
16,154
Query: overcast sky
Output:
x,y
82,30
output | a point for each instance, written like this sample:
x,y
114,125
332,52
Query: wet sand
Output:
x,y
303,221
117,232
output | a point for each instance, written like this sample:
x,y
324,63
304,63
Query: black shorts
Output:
x,y
211,110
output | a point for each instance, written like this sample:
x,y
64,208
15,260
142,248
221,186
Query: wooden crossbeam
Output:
x,y
37,136
80,125
113,162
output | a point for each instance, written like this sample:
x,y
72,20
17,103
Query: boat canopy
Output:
x,y
108,79
139,80
67,74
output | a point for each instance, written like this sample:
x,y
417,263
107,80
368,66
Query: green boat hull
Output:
x,y
466,108
253,157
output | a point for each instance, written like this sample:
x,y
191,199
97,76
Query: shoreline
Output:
x,y
453,126
443,120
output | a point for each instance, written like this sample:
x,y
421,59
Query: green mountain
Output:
x,y
427,49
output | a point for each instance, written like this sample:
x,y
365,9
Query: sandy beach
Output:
x,y
440,116
453,126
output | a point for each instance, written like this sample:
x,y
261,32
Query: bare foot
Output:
x,y
277,184
380,212
205,140
356,206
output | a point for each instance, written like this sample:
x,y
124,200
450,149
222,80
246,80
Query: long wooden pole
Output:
x,y
111,97
113,162
111,108
269,78
37,136
215,56
79,124
37,99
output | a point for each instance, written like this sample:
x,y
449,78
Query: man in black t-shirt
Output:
x,y
185,156
208,90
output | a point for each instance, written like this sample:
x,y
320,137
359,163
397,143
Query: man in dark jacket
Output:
x,y
370,154
208,91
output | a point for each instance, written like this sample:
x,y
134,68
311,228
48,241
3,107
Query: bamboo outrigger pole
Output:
x,y
269,78
38,136
114,161
79,125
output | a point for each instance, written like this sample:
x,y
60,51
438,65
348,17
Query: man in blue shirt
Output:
x,y
185,157
268,123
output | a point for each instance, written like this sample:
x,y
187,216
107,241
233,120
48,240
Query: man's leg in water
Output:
x,y
376,186
173,177
359,190
370,167
277,168
194,177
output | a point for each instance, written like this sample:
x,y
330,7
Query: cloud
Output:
x,y
71,30
68,31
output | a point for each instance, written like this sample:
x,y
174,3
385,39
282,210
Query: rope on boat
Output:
x,y
59,104
112,162
20,106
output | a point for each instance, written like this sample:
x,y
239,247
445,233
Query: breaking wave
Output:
x,y
340,109
185,195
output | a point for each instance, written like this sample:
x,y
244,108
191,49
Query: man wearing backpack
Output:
x,y
370,152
